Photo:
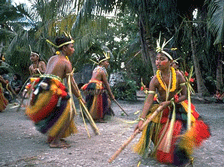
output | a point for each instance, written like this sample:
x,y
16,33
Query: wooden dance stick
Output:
x,y
120,106
21,102
135,134
89,117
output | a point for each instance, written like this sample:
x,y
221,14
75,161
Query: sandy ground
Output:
x,y
22,145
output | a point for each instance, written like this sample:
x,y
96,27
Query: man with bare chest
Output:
x,y
49,106
37,67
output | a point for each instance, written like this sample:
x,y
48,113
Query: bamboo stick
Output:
x,y
21,102
83,118
89,117
119,106
135,134
86,112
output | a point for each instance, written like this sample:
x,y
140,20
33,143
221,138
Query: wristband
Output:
x,y
142,119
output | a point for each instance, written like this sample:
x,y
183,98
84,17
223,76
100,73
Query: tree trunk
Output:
x,y
202,90
146,54
152,56
219,79
1,47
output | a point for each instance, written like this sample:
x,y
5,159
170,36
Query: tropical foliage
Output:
x,y
127,28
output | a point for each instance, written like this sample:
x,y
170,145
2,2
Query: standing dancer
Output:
x,y
49,106
97,100
177,130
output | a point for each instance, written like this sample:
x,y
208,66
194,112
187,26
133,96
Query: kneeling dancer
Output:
x,y
49,107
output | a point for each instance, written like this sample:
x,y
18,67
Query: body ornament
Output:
x,y
162,83
151,92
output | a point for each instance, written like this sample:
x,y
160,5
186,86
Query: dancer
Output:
x,y
98,102
3,100
37,67
49,106
174,132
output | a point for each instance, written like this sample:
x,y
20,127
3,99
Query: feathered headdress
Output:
x,y
98,58
33,53
160,49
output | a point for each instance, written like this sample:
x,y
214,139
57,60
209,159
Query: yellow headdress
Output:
x,y
33,53
63,44
99,59
160,49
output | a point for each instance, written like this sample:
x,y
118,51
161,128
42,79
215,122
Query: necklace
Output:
x,y
163,84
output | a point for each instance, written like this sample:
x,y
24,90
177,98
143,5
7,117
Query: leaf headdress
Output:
x,y
160,49
63,44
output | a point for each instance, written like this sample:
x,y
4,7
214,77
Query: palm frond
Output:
x,y
216,19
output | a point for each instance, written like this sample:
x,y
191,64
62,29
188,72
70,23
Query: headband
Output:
x,y
33,53
63,44
107,57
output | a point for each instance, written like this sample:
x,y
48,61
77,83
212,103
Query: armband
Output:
x,y
151,92
182,84
142,119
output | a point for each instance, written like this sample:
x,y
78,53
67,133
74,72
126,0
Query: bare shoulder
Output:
x,y
154,79
52,58
178,73
42,62
154,82
99,70
179,76
67,64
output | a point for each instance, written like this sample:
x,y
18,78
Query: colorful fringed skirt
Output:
x,y
166,137
49,107
96,99
3,100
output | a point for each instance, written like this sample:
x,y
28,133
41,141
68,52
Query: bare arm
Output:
x,y
75,89
183,95
2,80
148,103
104,78
149,100
42,67
31,70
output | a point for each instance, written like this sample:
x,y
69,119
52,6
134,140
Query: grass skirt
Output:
x,y
173,143
96,99
49,107
3,100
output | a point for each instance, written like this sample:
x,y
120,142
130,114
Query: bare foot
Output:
x,y
65,143
100,121
59,145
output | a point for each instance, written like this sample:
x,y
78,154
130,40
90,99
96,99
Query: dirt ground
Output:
x,y
22,145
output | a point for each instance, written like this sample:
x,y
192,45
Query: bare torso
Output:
x,y
162,92
59,66
98,74
40,65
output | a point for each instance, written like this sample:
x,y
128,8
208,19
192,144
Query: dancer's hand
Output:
x,y
83,100
112,97
139,125
165,104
